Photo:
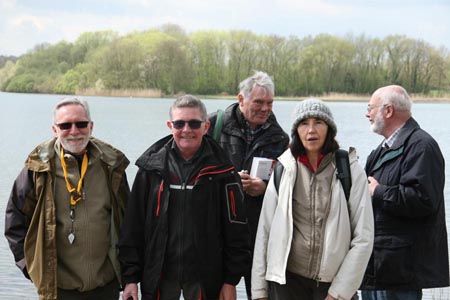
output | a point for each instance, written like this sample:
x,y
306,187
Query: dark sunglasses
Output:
x,y
193,124
68,125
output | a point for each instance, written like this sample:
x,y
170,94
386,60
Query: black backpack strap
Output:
x,y
343,168
277,172
218,126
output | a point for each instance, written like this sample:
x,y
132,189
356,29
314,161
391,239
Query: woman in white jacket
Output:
x,y
311,242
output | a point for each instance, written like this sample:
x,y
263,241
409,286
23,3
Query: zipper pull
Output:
x,y
317,281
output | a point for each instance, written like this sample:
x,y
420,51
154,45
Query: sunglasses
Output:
x,y
68,125
193,124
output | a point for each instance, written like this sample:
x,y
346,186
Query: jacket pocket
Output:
x,y
393,260
235,204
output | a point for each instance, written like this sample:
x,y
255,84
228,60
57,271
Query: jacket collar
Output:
x,y
397,148
234,120
410,126
39,159
155,157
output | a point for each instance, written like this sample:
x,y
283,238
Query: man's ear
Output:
x,y
55,132
240,99
207,124
389,111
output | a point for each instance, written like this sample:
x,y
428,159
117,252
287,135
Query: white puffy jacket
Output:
x,y
345,254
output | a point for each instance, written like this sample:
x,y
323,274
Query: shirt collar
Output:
x,y
390,140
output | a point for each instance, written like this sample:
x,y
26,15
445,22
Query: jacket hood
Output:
x,y
234,110
154,157
39,158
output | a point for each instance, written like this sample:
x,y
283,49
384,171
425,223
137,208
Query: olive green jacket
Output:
x,y
30,220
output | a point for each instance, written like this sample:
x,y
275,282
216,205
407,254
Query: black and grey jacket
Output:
x,y
270,143
217,215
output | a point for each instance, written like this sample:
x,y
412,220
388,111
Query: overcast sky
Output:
x,y
26,23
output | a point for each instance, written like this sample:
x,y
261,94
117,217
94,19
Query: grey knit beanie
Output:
x,y
312,108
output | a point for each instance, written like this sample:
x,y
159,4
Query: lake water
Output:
x,y
133,124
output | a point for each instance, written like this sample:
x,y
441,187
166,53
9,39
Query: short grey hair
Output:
x,y
259,78
72,101
189,101
398,97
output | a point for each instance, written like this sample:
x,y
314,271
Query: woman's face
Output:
x,y
312,133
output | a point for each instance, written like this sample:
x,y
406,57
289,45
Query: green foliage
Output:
x,y
68,83
5,59
208,54
6,73
168,59
23,83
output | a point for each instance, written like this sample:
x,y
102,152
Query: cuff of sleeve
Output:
x,y
21,264
232,279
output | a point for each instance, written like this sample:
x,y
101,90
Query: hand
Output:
x,y
373,183
130,292
228,292
329,297
253,186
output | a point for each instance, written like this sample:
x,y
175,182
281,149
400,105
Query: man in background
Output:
x,y
406,181
250,129
65,210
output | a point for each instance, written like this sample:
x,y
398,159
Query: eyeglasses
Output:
x,y
193,124
68,125
369,108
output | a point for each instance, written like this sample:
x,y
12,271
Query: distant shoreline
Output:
x,y
332,97
341,97
336,97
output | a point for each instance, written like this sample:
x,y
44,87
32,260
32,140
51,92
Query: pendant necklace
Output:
x,y
75,194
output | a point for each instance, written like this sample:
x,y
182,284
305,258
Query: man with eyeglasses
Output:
x,y
65,210
185,229
406,181
250,130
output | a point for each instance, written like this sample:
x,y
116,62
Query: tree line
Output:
x,y
213,62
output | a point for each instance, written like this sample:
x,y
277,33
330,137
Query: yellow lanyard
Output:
x,y
75,194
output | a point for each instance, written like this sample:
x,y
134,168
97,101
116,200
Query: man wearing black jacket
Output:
x,y
406,181
250,130
185,228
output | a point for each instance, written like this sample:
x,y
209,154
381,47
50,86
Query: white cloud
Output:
x,y
319,7
25,21
24,26
7,4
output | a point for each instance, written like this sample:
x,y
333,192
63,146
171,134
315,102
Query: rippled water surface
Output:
x,y
132,124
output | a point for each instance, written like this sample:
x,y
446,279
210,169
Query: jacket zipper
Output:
x,y
180,231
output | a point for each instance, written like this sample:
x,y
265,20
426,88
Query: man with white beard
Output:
x,y
406,181
65,210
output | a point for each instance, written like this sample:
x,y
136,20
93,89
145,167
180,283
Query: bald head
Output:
x,y
389,108
395,95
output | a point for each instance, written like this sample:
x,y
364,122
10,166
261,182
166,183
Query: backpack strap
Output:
x,y
218,126
343,168
277,172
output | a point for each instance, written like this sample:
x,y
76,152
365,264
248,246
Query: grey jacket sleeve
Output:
x,y
16,224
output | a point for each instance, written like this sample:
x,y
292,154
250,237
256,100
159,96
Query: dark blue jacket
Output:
x,y
410,246
220,231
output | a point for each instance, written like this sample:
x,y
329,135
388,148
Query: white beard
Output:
x,y
378,123
72,146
